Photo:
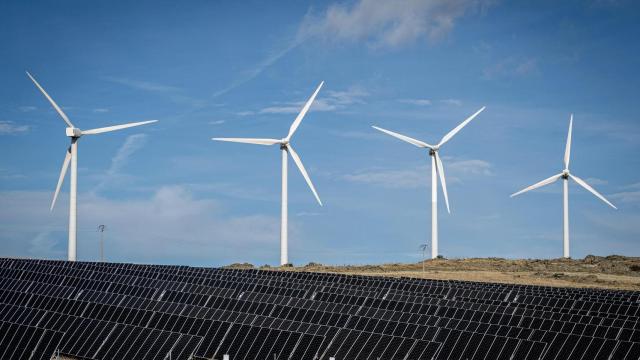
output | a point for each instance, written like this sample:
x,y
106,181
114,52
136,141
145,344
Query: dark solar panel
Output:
x,y
105,311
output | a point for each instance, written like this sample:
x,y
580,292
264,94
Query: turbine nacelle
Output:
x,y
433,152
287,150
73,132
565,174
70,158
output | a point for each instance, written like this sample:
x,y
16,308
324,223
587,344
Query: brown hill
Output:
x,y
611,272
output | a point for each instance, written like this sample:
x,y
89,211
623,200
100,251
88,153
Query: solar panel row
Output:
x,y
128,311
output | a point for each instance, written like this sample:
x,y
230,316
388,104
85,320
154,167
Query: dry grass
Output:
x,y
610,272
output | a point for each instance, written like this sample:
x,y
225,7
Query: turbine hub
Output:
x,y
73,132
432,152
565,174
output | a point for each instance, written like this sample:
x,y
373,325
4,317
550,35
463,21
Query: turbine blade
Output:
x,y
63,172
298,162
591,190
115,127
303,112
250,141
544,182
412,141
442,180
53,103
459,127
567,150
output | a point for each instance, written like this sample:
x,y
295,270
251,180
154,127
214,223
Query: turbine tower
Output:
x,y
71,156
436,170
566,175
286,148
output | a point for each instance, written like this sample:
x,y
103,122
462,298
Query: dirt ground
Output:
x,y
610,272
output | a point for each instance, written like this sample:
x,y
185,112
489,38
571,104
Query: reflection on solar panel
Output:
x,y
87,310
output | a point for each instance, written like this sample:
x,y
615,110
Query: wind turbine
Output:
x,y
566,175
436,167
286,148
71,155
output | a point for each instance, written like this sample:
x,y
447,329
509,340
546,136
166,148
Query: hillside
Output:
x,y
610,272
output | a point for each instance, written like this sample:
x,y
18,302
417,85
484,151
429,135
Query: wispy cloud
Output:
x,y
171,223
417,102
173,93
596,181
418,177
250,74
454,102
388,23
9,128
216,122
391,178
27,108
633,186
511,67
132,144
101,110
469,167
332,101
307,213
380,23
429,102
368,135
43,243
628,197
9,175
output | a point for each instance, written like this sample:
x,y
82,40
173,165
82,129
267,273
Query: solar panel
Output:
x,y
108,310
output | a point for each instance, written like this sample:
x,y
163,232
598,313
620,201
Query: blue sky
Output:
x,y
168,194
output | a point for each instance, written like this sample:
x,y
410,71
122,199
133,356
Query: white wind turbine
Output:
x,y
72,156
286,147
565,175
436,167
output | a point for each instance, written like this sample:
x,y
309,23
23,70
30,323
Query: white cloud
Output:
x,y
132,144
429,102
527,66
216,122
368,135
27,108
101,110
454,102
392,178
307,213
9,127
511,67
388,23
331,101
171,224
282,109
628,197
633,186
596,181
382,23
144,85
419,176
6,174
417,102
250,74
173,93
469,167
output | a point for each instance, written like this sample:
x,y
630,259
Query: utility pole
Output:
x,y
424,248
101,228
